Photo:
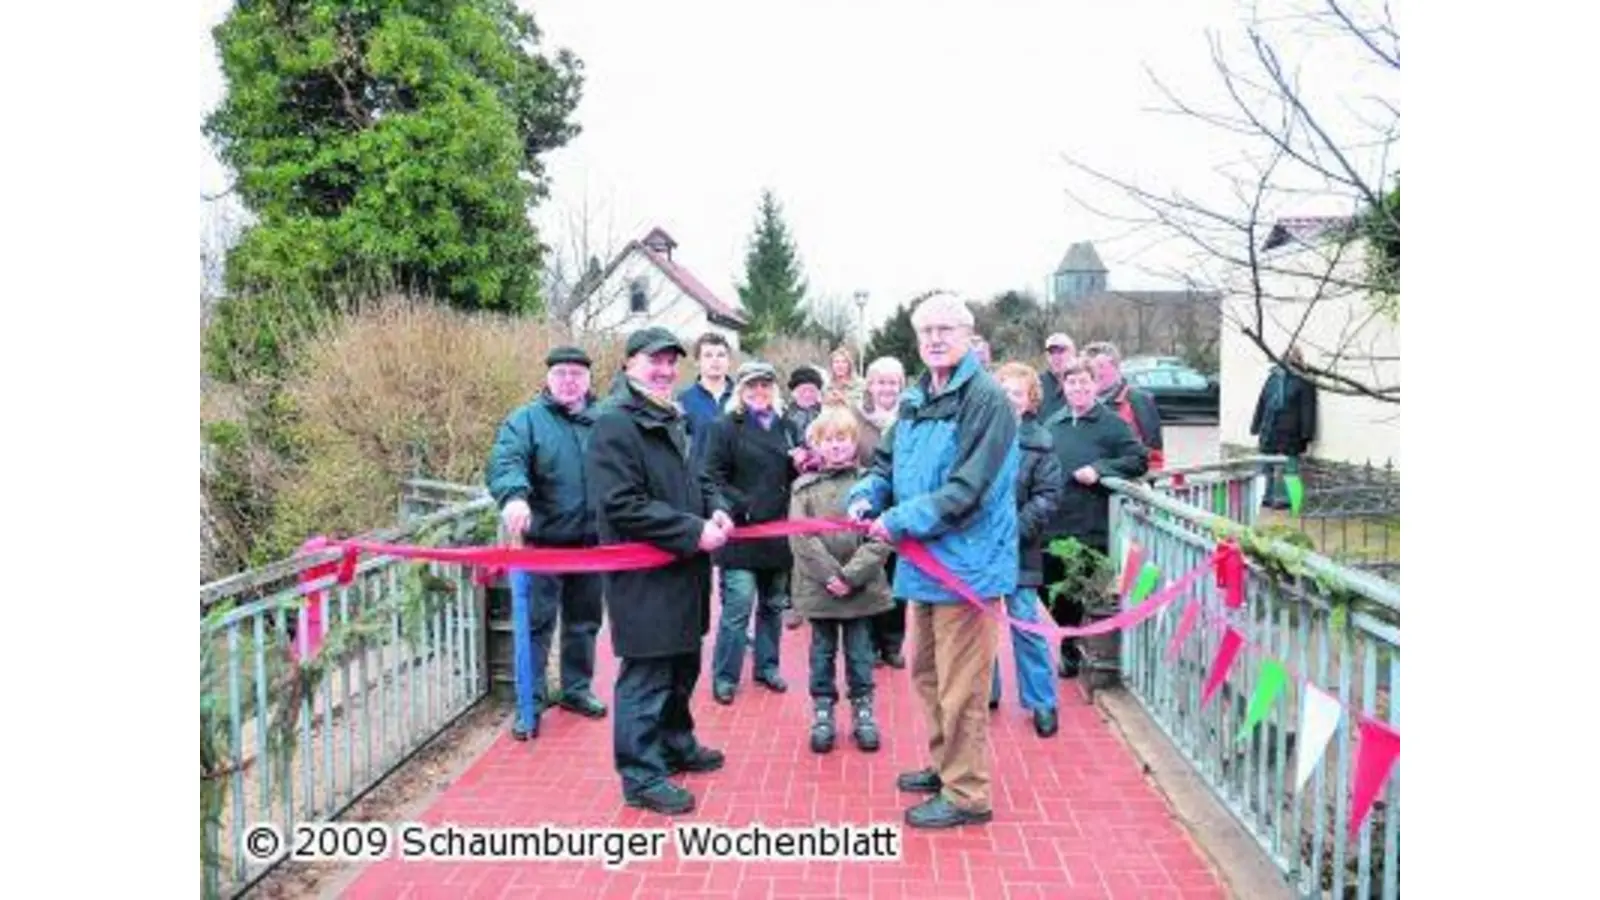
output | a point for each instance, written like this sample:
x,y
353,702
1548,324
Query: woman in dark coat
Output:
x,y
645,490
752,456
1286,423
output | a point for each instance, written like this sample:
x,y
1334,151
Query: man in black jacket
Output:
x,y
1091,442
535,475
644,488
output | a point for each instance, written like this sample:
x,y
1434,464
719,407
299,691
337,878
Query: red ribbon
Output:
x,y
1230,573
628,557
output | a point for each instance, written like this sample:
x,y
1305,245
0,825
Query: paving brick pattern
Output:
x,y
1073,816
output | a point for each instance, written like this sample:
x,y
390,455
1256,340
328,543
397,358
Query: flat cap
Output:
x,y
754,370
568,354
654,340
805,375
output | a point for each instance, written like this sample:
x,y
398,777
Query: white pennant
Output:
x,y
1319,719
1259,483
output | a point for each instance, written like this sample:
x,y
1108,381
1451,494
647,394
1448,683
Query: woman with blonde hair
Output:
x,y
752,457
842,376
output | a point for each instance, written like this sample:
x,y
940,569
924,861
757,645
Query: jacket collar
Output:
x,y
922,392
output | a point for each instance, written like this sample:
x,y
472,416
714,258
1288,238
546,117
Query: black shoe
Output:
x,y
894,659
922,781
704,759
585,704
1045,722
722,692
773,682
665,798
994,703
937,812
1068,665
524,734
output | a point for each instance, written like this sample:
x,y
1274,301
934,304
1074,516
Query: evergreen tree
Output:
x,y
896,338
774,290
390,144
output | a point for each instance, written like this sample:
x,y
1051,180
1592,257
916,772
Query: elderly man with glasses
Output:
x,y
948,466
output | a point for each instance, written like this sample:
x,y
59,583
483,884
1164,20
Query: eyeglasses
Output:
x,y
1057,350
929,332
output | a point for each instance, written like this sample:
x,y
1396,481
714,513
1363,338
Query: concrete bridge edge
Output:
x,y
1234,855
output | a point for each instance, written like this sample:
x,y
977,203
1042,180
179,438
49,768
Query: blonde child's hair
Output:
x,y
836,418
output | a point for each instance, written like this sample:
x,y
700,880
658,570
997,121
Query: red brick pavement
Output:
x,y
1073,816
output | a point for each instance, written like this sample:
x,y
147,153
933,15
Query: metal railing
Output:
x,y
1233,489
286,739
1336,627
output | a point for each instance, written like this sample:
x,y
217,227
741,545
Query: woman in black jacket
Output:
x,y
1286,422
1039,488
1091,441
753,454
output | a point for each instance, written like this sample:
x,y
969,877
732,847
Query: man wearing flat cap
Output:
x,y
536,476
645,488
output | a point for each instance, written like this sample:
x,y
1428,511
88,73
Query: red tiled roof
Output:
x,y
691,285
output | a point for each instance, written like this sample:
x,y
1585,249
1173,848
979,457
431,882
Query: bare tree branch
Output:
x,y
1309,156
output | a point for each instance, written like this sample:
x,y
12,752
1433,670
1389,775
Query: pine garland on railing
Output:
x,y
292,681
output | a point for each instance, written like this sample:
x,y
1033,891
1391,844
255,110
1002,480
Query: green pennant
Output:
x,y
1297,492
1219,498
1149,577
1269,683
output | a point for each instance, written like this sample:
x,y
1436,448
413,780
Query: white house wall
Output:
x,y
1349,429
670,306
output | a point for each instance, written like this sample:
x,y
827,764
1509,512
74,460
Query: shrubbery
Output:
x,y
320,442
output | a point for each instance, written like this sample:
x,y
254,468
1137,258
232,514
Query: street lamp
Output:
x,y
861,329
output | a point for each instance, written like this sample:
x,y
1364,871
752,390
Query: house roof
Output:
x,y
691,285
716,308
1304,229
1081,257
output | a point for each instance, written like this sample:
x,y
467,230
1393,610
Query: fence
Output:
x,y
1329,624
1350,513
287,738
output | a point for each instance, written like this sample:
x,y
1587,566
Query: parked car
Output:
x,y
1181,393
1140,363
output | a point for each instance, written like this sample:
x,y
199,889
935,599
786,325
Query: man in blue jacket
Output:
x,y
536,476
705,400
945,474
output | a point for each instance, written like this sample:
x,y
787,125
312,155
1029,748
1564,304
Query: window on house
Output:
x,y
638,301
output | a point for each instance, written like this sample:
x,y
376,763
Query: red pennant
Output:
x,y
1231,642
1177,479
1235,499
1230,574
1131,562
1377,749
484,576
1191,615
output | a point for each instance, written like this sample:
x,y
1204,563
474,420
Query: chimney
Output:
x,y
658,241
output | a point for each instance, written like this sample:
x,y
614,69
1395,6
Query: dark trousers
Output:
x,y
746,594
536,601
1277,493
889,626
1067,610
859,656
652,725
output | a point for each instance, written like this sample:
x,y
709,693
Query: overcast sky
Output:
x,y
913,144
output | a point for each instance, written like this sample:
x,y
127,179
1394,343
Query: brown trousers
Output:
x,y
952,668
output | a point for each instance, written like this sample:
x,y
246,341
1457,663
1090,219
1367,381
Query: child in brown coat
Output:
x,y
838,581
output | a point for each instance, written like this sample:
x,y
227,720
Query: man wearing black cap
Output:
x,y
536,476
644,488
805,387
